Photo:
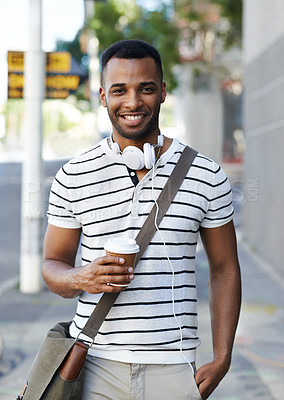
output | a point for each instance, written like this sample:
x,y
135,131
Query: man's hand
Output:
x,y
60,248
102,275
209,376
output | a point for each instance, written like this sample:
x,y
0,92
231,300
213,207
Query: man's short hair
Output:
x,y
131,49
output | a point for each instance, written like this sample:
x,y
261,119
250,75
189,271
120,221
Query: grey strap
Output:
x,y
144,236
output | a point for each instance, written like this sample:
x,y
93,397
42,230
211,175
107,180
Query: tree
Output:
x,y
232,10
117,20
220,18
208,28
185,30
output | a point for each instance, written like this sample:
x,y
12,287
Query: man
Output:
x,y
146,347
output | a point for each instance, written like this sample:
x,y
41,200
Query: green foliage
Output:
x,y
232,10
116,20
124,19
199,15
73,47
192,11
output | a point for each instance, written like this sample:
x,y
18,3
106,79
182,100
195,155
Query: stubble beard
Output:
x,y
136,134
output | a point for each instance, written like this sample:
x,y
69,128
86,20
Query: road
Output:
x,y
10,214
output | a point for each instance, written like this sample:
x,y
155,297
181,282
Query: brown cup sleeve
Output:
x,y
129,258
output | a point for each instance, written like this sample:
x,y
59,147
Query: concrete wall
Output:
x,y
199,113
264,127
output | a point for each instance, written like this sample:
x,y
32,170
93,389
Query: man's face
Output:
x,y
133,93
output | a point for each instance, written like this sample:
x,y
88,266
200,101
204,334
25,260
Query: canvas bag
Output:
x,y
57,371
44,381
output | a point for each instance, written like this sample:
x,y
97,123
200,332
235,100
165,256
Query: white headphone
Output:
x,y
136,159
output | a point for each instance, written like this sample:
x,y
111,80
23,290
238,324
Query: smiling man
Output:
x,y
133,106
146,348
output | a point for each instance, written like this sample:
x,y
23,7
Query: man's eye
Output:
x,y
148,90
118,91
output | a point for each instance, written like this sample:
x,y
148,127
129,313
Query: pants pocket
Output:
x,y
194,388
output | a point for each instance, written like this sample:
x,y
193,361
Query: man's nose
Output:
x,y
133,100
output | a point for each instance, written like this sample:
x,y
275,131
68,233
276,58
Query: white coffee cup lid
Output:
x,y
121,246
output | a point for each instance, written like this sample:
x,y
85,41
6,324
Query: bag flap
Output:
x,y
51,353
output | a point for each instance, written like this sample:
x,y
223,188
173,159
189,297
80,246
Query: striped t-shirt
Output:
x,y
95,192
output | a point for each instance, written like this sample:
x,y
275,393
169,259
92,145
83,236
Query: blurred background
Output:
x,y
223,63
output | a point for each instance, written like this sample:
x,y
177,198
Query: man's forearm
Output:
x,y
59,278
225,301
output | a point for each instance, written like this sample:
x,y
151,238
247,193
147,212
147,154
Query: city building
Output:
x,y
263,216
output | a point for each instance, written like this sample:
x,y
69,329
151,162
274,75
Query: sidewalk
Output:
x,y
258,359
25,320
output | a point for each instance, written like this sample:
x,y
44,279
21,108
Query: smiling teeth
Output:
x,y
133,117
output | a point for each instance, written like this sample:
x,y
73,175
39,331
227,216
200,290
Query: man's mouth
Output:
x,y
133,117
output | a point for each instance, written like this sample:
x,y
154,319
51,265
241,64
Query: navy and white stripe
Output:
x,y
95,192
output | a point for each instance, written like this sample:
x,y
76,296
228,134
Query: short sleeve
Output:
x,y
220,210
60,211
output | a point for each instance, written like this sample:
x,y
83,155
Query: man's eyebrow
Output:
x,y
148,83
141,83
118,85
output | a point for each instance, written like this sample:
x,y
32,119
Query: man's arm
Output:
x,y
60,276
225,300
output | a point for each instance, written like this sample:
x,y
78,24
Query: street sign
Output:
x,y
63,74
15,61
59,61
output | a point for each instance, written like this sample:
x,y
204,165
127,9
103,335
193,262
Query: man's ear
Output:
x,y
164,92
102,96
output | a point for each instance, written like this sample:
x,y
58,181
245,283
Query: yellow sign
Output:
x,y
15,85
59,61
60,86
70,82
56,62
60,79
15,61
57,86
16,81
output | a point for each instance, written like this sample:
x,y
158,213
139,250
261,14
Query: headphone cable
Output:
x,y
173,273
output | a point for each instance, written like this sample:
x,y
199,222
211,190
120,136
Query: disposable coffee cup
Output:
x,y
122,247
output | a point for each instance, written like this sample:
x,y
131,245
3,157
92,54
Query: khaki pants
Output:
x,y
112,380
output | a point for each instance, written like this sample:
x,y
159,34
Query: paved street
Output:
x,y
258,359
10,214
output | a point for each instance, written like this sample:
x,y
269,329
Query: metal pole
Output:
x,y
32,183
94,64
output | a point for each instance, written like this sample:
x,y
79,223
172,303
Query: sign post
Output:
x,y
32,182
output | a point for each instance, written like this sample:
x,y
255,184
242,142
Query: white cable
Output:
x,y
173,273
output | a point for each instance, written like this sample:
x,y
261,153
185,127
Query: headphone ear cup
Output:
x,y
149,155
133,157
